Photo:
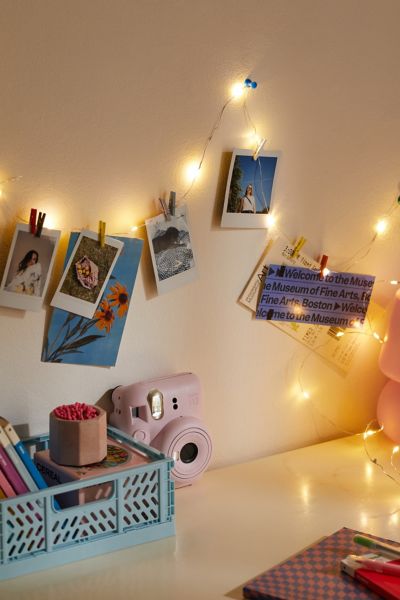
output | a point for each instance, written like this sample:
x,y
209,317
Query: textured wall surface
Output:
x,y
102,105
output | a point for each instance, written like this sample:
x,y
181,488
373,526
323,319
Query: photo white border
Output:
x,y
26,301
244,220
76,305
175,281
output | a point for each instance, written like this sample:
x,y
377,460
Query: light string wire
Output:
x,y
208,141
346,265
366,435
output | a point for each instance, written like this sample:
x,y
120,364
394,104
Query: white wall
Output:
x,y
104,102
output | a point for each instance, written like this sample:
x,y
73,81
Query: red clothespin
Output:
x,y
102,233
165,209
32,221
322,267
39,224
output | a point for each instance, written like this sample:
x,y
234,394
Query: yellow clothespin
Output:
x,y
300,243
259,147
102,233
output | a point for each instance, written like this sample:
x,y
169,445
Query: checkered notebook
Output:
x,y
314,573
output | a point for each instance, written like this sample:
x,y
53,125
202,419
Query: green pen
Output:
x,y
380,547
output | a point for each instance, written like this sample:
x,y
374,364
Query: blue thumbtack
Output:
x,y
249,83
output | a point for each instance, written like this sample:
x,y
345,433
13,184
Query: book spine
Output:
x,y
6,486
29,464
2,494
18,464
11,473
23,453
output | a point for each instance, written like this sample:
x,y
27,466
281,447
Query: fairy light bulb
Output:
x,y
395,449
340,334
381,226
306,395
270,221
237,90
134,228
325,271
192,171
394,282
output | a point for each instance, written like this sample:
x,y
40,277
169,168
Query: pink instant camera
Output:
x,y
165,413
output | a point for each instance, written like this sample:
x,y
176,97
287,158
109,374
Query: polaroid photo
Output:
x,y
171,250
28,268
86,274
248,195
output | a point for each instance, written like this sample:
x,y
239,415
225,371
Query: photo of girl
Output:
x,y
29,265
248,194
247,203
28,276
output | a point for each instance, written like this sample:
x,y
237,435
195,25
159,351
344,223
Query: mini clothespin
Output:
x,y
39,224
322,267
260,146
32,221
300,243
165,209
172,203
102,233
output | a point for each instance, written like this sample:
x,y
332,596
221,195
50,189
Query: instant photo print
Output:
x,y
28,268
248,195
86,274
171,250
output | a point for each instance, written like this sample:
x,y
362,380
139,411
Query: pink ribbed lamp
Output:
x,y
389,359
388,407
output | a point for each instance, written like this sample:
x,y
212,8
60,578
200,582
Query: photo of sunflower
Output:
x,y
119,297
105,316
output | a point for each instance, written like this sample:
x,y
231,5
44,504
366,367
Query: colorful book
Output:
x,y
119,458
386,586
23,453
11,473
17,462
6,486
315,573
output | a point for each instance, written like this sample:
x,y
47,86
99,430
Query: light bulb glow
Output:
x,y
134,228
340,334
394,282
381,226
237,90
270,221
325,271
192,171
395,449
305,395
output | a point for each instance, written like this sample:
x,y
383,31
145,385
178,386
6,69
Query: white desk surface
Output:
x,y
233,524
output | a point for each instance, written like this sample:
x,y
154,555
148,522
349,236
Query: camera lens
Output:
x,y
189,453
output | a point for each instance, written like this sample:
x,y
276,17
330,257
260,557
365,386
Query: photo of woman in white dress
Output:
x,y
247,203
28,276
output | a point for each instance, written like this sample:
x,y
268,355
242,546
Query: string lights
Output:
x,y
240,90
